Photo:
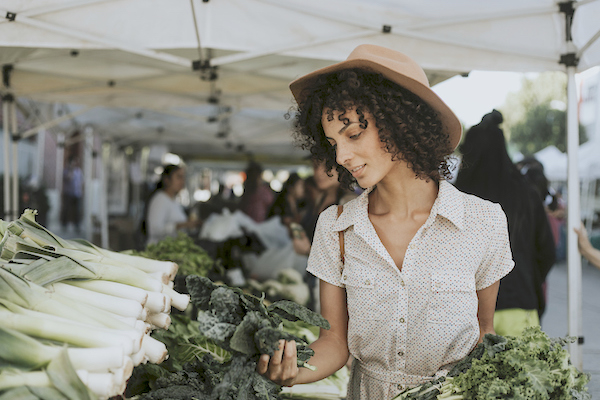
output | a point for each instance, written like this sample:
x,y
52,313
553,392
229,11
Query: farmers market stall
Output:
x,y
139,72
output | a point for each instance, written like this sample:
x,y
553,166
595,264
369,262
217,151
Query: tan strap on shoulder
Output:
x,y
340,209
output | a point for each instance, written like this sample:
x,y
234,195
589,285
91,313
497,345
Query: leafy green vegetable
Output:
x,y
181,249
241,324
294,312
530,366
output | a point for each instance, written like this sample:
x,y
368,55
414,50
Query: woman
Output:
x,y
258,196
417,288
165,215
488,172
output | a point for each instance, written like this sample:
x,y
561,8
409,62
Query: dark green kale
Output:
x,y
233,329
200,289
225,304
267,341
213,328
243,340
291,311
464,364
240,382
242,324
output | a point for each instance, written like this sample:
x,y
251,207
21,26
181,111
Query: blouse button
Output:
x,y
401,320
345,277
367,282
400,387
402,283
400,353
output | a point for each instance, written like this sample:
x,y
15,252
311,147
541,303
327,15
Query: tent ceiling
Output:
x,y
126,57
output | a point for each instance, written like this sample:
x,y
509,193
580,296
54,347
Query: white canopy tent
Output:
x,y
130,62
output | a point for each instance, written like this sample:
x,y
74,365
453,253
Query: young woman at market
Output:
x,y
164,214
413,289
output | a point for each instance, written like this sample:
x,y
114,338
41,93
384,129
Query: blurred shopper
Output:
x,y
164,215
258,196
289,203
327,191
488,172
533,171
72,195
585,247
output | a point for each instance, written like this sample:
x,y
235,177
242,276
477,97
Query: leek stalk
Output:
x,y
113,304
112,288
22,350
58,329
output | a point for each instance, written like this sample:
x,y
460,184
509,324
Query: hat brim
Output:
x,y
450,121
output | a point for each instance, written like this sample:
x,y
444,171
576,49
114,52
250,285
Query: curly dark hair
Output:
x,y
408,127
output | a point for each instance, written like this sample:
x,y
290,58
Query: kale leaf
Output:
x,y
295,312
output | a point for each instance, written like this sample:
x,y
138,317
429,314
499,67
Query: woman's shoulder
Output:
x,y
480,208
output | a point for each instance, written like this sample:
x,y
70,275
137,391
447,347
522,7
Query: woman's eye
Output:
x,y
355,136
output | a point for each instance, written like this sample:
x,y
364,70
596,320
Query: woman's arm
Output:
x,y
331,349
485,310
585,247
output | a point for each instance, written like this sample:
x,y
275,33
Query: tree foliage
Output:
x,y
535,117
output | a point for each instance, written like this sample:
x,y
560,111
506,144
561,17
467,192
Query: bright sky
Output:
x,y
476,95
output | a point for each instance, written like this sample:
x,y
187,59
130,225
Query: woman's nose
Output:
x,y
342,154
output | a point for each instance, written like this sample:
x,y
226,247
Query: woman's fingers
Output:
x,y
282,366
263,364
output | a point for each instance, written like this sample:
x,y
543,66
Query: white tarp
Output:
x,y
555,162
131,59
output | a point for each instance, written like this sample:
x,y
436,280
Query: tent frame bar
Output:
x,y
51,123
129,48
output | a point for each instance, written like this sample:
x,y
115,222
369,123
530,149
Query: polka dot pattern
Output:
x,y
407,326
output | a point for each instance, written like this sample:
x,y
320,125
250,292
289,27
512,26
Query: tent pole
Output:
x,y
573,220
88,189
102,177
15,161
6,133
60,161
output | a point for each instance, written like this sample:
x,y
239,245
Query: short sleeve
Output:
x,y
498,261
324,260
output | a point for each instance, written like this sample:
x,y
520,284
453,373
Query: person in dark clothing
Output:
x,y
289,202
258,196
488,172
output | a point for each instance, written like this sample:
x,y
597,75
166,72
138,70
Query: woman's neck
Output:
x,y
170,193
403,198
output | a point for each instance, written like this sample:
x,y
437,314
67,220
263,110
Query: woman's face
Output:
x,y
324,181
358,148
297,189
176,181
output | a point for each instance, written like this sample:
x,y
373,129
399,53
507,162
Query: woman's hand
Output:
x,y
301,244
583,240
282,367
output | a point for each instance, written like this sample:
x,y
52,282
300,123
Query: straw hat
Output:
x,y
396,67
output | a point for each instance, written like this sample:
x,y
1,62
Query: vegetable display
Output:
x,y
531,366
181,249
244,327
71,302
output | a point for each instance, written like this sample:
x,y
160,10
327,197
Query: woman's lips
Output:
x,y
357,170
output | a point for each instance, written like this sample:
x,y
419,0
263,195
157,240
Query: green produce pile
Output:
x,y
76,318
181,249
243,327
528,367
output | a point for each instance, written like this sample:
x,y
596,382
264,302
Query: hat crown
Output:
x,y
391,60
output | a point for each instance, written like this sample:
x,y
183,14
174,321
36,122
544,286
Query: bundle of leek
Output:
x,y
101,304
